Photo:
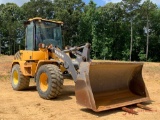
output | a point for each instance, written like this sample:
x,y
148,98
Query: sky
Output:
x,y
98,2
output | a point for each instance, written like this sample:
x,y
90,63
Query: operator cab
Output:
x,y
44,31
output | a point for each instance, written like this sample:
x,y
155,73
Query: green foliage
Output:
x,y
86,22
11,16
142,56
38,8
70,12
107,28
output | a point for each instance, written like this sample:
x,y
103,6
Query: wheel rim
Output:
x,y
15,77
43,82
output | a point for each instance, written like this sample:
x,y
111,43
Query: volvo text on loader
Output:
x,y
98,85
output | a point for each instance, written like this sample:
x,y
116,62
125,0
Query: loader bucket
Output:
x,y
106,85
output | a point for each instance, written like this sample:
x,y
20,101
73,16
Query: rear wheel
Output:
x,y
49,81
18,80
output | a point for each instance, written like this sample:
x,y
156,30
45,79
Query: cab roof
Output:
x,y
41,19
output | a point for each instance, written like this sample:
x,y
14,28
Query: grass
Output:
x,y
4,77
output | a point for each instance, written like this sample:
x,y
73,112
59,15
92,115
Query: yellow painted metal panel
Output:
x,y
26,55
27,68
40,55
34,55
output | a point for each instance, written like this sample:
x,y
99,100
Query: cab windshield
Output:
x,y
48,33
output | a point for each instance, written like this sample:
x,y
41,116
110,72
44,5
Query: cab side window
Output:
x,y
29,37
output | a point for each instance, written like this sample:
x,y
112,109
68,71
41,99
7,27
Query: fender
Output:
x,y
30,68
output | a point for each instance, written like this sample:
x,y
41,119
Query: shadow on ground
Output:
x,y
117,110
67,92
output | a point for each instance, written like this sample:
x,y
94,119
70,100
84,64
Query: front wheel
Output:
x,y
49,81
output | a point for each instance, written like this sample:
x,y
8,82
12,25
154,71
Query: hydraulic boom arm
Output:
x,y
83,56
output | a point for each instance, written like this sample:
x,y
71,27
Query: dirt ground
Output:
x,y
27,105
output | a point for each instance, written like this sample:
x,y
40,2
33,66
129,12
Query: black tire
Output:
x,y
51,85
18,80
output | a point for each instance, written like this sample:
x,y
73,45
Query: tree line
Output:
x,y
127,30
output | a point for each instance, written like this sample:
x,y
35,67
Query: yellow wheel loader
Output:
x,y
99,85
